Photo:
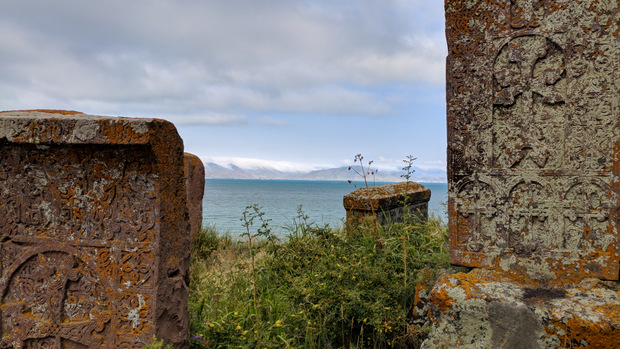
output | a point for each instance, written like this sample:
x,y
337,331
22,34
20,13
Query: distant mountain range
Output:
x,y
230,171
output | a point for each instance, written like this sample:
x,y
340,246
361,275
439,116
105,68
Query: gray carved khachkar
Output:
x,y
94,232
534,141
534,166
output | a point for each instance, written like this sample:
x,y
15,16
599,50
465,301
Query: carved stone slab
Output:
x,y
389,203
533,137
94,245
195,186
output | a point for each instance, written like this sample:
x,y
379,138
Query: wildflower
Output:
x,y
278,323
197,336
211,325
238,328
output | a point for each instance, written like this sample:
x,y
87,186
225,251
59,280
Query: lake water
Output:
x,y
226,199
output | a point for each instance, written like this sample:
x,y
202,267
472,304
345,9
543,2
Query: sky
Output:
x,y
294,85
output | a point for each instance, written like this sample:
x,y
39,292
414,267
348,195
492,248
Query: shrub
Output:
x,y
318,288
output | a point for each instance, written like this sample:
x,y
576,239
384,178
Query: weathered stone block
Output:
x,y
388,202
94,245
484,309
533,137
195,186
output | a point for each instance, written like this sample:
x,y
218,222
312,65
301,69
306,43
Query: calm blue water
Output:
x,y
226,199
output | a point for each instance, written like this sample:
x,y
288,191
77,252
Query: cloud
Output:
x,y
191,57
208,119
390,164
269,121
253,164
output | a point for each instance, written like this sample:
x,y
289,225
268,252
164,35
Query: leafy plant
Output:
x,y
408,169
157,344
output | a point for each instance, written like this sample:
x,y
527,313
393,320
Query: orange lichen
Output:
x,y
50,111
580,315
385,196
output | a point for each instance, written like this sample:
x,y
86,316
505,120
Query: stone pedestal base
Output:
x,y
481,309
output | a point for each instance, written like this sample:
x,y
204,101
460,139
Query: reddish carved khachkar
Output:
x,y
94,232
534,142
195,188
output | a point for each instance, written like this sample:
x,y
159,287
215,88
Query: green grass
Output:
x,y
317,288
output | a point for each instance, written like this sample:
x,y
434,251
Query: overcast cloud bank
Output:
x,y
243,65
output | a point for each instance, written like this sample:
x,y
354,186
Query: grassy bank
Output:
x,y
316,288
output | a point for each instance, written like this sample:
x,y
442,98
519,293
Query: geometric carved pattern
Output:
x,y
534,137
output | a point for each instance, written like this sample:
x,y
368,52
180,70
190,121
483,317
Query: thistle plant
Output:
x,y
364,172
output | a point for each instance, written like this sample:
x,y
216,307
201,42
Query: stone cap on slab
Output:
x,y
71,127
386,196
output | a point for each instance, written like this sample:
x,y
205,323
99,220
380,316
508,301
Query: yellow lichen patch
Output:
x,y
590,317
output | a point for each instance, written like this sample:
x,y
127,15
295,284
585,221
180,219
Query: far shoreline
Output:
x,y
321,180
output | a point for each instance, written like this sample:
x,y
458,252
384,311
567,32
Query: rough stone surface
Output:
x,y
388,202
484,309
94,247
533,137
195,186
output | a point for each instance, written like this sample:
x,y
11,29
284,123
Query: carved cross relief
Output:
x,y
475,207
587,217
527,75
529,214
